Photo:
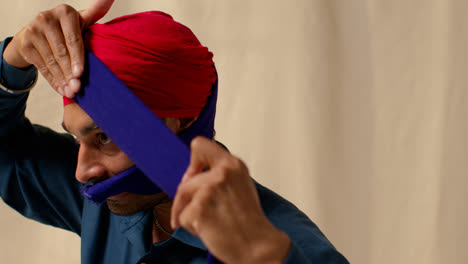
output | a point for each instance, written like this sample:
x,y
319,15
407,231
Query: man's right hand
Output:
x,y
53,43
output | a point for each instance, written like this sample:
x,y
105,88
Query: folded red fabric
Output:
x,y
159,59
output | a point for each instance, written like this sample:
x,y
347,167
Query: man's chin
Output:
x,y
126,204
118,196
123,209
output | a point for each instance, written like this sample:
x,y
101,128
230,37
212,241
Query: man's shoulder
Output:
x,y
302,231
277,207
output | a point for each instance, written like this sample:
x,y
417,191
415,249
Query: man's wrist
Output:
x,y
17,91
13,79
273,247
12,56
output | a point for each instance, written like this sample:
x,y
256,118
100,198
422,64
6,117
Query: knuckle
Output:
x,y
27,45
32,30
199,207
196,143
229,168
73,39
61,51
54,85
186,217
222,176
238,167
206,201
182,193
50,61
236,163
232,163
207,190
44,17
43,70
63,9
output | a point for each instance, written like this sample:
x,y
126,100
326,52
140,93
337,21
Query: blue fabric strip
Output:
x,y
132,180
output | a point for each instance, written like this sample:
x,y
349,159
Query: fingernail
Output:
x,y
77,70
66,91
74,85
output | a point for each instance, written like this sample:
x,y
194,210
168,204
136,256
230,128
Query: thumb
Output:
x,y
96,11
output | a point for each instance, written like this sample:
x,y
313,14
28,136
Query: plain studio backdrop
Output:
x,y
354,110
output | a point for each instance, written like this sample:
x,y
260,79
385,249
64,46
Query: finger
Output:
x,y
35,58
197,211
213,180
74,41
42,46
68,91
184,194
57,44
74,87
96,11
204,154
70,26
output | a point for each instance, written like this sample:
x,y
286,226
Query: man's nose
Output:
x,y
89,167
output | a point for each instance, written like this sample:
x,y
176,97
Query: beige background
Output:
x,y
354,110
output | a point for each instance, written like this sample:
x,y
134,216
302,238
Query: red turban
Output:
x,y
159,59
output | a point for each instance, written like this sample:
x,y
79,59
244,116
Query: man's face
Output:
x,y
99,159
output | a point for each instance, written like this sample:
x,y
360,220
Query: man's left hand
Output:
x,y
218,202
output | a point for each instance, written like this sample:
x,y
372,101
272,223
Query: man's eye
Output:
x,y
103,139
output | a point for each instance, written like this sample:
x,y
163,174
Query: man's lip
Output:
x,y
118,196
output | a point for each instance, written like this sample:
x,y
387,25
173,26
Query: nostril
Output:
x,y
98,179
92,181
91,178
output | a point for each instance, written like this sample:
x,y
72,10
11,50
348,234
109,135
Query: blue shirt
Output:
x,y
37,167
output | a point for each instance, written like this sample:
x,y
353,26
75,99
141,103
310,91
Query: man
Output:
x,y
217,205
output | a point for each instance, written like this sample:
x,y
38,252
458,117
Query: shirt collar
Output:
x,y
185,237
136,226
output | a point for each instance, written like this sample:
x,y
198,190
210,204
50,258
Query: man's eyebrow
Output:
x,y
85,130
88,129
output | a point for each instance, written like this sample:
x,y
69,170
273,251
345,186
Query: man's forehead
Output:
x,y
77,122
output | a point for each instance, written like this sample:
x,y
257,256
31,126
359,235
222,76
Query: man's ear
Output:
x,y
186,122
178,124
